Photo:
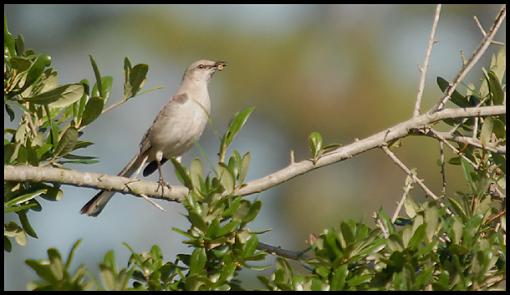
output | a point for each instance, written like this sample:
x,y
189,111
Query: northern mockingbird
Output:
x,y
177,126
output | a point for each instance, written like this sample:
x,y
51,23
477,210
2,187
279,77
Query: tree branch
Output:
x,y
499,149
176,193
415,178
425,65
484,44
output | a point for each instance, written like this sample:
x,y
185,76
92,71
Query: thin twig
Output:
x,y
408,186
442,139
277,250
443,171
484,44
484,33
425,65
413,175
152,202
380,225
498,149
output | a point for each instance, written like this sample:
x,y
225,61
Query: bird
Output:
x,y
178,125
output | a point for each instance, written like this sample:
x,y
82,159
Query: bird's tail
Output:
x,y
99,201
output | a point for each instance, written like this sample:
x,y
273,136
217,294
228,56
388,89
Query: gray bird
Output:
x,y
177,126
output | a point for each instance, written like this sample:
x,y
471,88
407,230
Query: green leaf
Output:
x,y
197,261
26,224
56,266
454,161
456,97
469,174
233,206
498,63
9,111
250,246
37,69
418,237
106,84
315,144
98,76
9,42
71,254
20,45
182,173
24,198
431,220
495,88
226,179
235,125
7,244
196,172
67,142
92,110
339,276
65,95
20,64
245,163
134,78
42,270
253,212
458,209
486,132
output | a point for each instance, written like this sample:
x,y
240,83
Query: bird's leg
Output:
x,y
161,182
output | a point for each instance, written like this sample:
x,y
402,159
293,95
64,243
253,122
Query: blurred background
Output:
x,y
346,71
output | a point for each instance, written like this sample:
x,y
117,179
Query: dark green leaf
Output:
x,y
456,97
20,45
98,76
137,77
67,142
20,64
26,224
7,244
9,111
42,270
9,42
92,110
37,69
236,124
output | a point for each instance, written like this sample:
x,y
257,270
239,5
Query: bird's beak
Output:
x,y
220,65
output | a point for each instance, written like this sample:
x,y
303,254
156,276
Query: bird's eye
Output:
x,y
201,66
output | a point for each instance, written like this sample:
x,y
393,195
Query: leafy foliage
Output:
x,y
50,126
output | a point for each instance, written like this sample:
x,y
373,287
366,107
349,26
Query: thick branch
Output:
x,y
94,180
398,131
176,193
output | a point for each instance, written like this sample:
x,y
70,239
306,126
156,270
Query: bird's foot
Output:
x,y
161,184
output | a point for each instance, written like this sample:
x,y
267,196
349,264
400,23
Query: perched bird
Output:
x,y
174,130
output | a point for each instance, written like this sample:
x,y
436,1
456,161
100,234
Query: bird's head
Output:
x,y
202,70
